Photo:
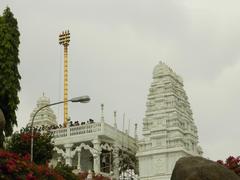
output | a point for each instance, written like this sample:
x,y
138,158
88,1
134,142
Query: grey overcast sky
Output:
x,y
114,47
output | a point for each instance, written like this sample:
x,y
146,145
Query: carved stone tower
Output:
x,y
46,116
169,131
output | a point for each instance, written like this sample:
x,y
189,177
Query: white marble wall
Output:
x,y
168,128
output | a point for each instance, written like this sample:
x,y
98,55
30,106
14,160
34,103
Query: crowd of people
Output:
x,y
71,124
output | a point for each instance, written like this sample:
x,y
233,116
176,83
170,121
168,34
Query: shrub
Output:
x,y
20,143
65,171
12,166
83,176
232,163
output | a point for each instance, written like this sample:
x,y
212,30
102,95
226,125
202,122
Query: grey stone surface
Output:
x,y
198,168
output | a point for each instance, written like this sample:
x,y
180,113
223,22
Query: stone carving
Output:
x,y
168,126
86,147
60,151
106,147
116,160
158,165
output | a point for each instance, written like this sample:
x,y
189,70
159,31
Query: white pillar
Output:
x,y
68,159
79,161
59,159
96,156
116,161
68,127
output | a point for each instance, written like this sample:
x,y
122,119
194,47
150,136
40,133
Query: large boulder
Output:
x,y
198,168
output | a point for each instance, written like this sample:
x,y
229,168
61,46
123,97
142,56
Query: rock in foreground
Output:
x,y
198,168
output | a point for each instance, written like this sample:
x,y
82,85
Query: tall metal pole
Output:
x,y
65,84
64,39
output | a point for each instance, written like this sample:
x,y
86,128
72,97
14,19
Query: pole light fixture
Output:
x,y
81,99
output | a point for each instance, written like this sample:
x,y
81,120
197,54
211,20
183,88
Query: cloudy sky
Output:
x,y
114,48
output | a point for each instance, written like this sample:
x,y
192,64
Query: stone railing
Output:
x,y
95,128
76,130
85,129
58,133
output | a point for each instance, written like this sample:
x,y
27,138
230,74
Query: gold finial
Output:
x,y
102,113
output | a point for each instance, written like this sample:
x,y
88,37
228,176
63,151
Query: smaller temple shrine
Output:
x,y
46,116
96,146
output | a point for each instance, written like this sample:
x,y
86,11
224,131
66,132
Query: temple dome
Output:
x,y
44,117
42,101
162,69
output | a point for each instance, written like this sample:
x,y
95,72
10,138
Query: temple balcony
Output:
x,y
90,131
95,146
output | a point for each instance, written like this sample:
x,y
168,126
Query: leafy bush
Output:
x,y
65,171
232,163
83,176
12,166
20,143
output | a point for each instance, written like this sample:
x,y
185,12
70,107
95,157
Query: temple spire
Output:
x,y
128,130
135,131
123,128
115,119
168,118
102,112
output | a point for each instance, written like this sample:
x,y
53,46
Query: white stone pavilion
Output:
x,y
90,145
169,131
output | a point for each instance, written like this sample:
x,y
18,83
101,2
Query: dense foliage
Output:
x,y
9,75
83,176
232,163
65,171
20,143
12,166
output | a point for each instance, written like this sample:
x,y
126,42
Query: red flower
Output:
x,y
11,166
30,176
232,163
26,157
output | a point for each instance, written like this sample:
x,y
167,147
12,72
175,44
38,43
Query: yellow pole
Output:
x,y
65,84
64,39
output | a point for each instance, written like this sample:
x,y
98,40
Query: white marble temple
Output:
x,y
169,131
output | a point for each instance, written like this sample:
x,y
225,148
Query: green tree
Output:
x,y
65,171
43,145
9,75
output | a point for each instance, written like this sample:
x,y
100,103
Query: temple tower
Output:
x,y
169,131
46,116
